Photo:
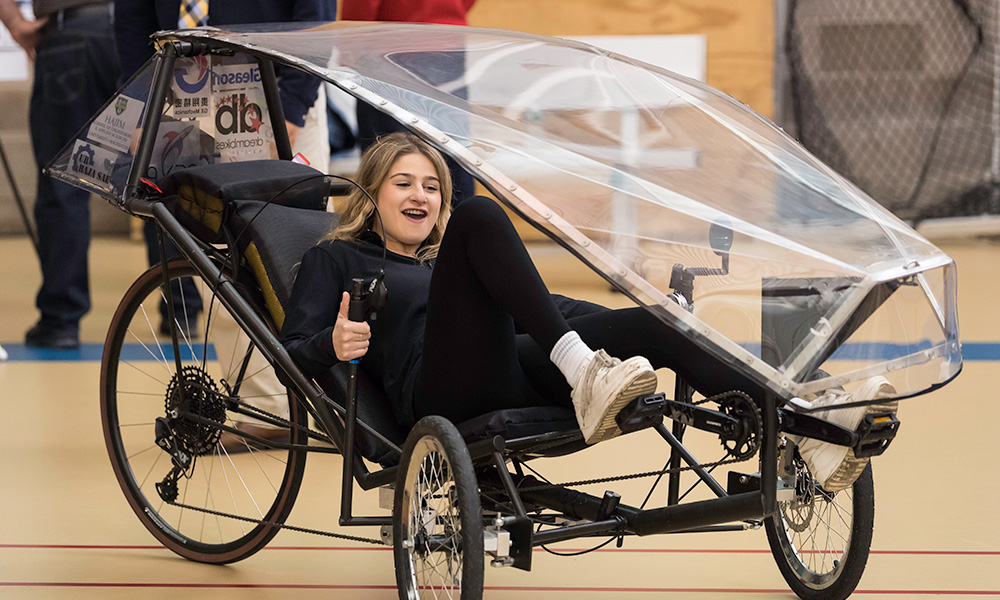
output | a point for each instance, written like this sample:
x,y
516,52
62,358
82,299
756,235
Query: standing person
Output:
x,y
76,72
301,95
303,103
138,19
373,122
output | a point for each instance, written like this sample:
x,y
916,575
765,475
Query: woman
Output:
x,y
446,343
470,327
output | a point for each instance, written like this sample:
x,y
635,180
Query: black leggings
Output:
x,y
485,289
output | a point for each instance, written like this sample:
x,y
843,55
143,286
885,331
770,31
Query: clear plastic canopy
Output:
x,y
628,166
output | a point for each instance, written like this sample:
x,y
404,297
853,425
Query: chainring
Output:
x,y
202,397
746,442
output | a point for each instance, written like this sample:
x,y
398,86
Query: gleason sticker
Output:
x,y
92,163
192,89
115,125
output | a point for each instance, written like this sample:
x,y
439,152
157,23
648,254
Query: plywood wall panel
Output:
x,y
739,33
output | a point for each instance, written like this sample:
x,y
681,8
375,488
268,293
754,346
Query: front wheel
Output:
x,y
437,516
821,540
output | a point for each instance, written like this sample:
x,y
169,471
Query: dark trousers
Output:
x,y
75,74
491,325
187,301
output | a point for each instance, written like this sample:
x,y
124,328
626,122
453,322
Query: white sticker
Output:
x,y
192,89
91,162
177,146
242,125
116,125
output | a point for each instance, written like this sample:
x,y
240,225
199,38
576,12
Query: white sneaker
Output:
x,y
606,386
836,467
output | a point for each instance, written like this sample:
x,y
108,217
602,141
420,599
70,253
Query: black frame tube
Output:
x,y
154,108
679,450
273,98
680,517
550,536
682,393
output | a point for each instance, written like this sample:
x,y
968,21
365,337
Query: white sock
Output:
x,y
571,355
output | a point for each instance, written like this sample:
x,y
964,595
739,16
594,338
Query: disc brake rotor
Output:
x,y
799,512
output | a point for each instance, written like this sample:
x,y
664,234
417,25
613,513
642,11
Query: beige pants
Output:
x,y
313,141
261,387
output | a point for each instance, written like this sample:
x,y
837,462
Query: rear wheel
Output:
x,y
821,540
207,495
437,516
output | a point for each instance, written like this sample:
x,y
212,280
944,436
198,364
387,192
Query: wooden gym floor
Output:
x,y
66,530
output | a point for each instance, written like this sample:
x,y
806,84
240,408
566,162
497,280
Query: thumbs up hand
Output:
x,y
350,338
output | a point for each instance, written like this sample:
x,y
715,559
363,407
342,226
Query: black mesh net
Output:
x,y
901,97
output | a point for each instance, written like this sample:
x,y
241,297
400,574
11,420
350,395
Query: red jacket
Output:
x,y
447,12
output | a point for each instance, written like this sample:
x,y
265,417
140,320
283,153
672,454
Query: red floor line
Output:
x,y
580,589
386,549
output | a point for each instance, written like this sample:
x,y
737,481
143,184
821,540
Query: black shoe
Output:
x,y
191,333
40,336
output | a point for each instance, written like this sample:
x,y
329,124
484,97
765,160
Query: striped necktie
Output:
x,y
194,13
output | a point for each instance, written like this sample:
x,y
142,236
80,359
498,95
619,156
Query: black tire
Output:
x,y
437,516
138,386
821,541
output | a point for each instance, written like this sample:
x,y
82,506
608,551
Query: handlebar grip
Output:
x,y
356,310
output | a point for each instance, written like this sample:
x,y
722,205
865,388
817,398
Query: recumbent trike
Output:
x,y
193,334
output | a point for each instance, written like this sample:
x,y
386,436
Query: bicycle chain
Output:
x,y
725,461
218,513
251,408
359,539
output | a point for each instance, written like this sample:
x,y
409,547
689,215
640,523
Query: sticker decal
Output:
x,y
192,90
177,146
92,163
115,126
242,125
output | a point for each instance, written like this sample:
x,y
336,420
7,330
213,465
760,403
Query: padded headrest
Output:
x,y
201,197
273,239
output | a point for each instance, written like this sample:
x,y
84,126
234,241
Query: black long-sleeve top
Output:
x,y
396,345
397,337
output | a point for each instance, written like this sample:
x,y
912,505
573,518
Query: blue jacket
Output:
x,y
136,20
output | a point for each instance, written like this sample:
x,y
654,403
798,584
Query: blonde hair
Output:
x,y
358,214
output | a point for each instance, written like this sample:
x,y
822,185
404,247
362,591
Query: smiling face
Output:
x,y
409,202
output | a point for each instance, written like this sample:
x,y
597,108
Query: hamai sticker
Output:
x,y
117,123
92,163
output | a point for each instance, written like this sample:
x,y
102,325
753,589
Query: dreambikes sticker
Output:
x,y
242,126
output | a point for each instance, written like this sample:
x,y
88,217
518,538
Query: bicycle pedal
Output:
x,y
875,434
643,412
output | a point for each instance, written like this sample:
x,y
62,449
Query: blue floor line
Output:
x,y
971,352
93,352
